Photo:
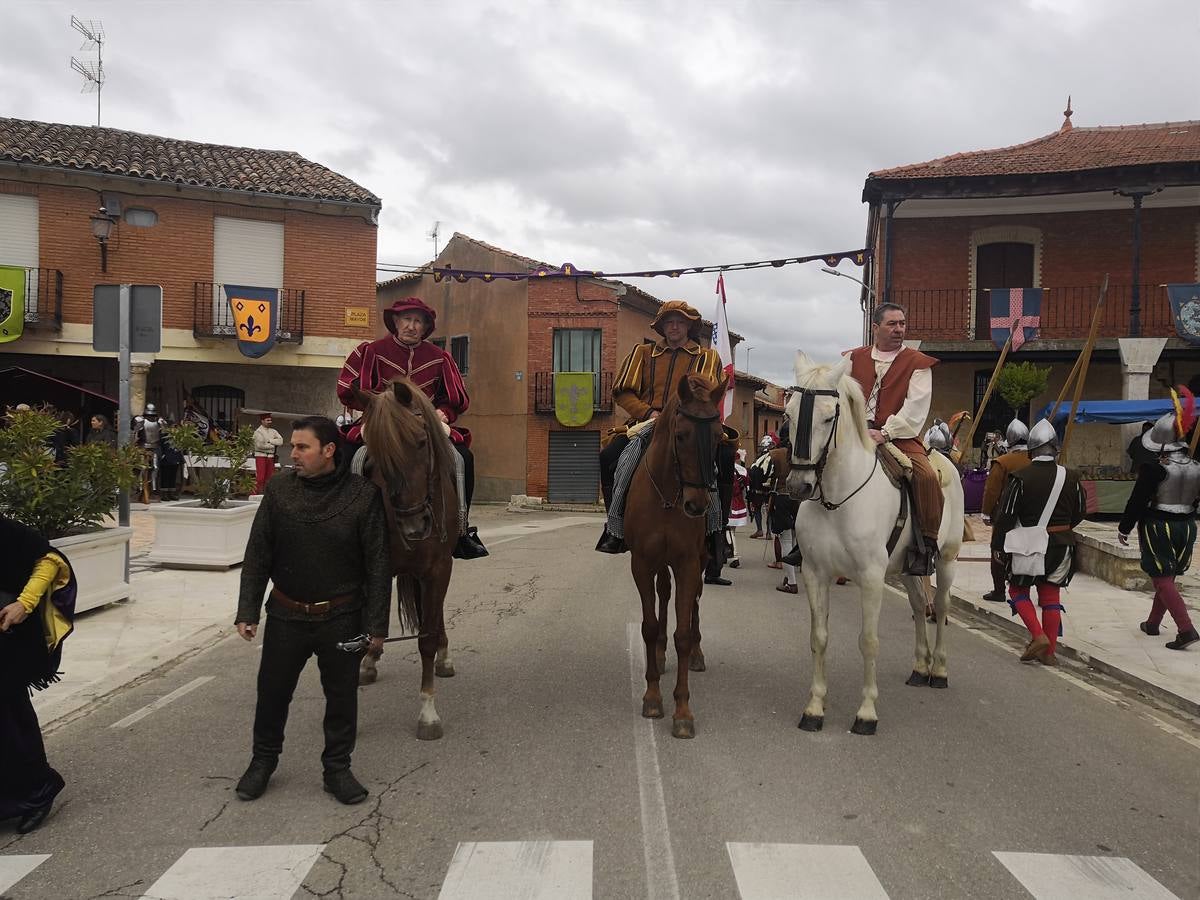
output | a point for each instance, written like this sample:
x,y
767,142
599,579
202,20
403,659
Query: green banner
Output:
x,y
12,303
573,397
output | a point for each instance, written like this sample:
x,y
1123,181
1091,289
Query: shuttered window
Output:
x,y
248,253
574,466
19,240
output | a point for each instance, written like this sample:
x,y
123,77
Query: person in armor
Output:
x,y
757,489
148,432
1163,506
406,351
1017,458
1041,505
938,438
647,378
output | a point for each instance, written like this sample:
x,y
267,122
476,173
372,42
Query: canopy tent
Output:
x,y
18,385
1111,412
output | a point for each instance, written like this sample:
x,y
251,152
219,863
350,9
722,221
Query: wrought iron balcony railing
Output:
x,y
212,317
43,298
543,392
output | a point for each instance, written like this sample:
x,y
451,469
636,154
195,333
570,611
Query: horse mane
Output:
x,y
854,424
391,428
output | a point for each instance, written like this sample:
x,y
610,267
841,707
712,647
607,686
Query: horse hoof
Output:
x,y
939,681
652,710
811,723
916,679
429,731
696,664
683,728
443,670
368,676
863,726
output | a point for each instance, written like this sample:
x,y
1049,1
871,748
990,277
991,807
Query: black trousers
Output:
x,y
608,466
27,781
468,459
287,645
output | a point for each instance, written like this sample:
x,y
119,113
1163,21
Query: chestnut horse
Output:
x,y
665,524
413,463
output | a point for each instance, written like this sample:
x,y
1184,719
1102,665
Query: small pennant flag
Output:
x,y
255,318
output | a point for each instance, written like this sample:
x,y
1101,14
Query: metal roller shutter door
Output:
x,y
574,466
19,240
245,252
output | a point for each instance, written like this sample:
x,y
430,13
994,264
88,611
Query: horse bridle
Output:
x,y
704,456
803,439
425,505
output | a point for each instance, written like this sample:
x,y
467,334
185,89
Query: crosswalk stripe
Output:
x,y
236,873
1052,876
14,868
133,718
803,872
528,870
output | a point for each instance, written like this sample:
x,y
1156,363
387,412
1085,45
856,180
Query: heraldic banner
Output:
x,y
1015,310
255,318
574,397
12,303
1185,307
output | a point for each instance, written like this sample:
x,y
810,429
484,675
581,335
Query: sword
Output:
x,y
358,644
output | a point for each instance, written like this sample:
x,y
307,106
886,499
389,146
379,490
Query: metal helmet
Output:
x,y
151,410
1163,437
938,437
1017,434
767,443
1042,435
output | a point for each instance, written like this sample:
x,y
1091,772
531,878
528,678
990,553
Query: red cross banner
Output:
x,y
1017,311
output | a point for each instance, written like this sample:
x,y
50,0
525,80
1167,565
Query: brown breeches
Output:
x,y
927,491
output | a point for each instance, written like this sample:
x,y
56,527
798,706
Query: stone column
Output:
x,y
1138,356
139,373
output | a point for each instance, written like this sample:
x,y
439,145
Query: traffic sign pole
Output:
x,y
123,403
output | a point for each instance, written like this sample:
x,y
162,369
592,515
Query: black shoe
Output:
x,y
469,545
995,597
921,559
1149,629
31,820
1184,640
253,783
717,579
793,557
610,543
345,787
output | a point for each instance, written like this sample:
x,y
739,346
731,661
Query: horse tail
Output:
x,y
408,591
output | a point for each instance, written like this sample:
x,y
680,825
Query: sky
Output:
x,y
620,135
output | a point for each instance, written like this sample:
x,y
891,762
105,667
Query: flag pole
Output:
x,y
987,395
1086,359
1079,359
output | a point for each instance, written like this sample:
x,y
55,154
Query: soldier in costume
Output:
x,y
1163,506
1017,458
148,433
1023,504
648,377
406,351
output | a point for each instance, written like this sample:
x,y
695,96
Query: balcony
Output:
x,y
543,392
948,314
43,298
212,317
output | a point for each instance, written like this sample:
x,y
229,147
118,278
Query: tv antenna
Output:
x,y
433,236
92,72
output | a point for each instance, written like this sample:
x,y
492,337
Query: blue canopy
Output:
x,y
1112,412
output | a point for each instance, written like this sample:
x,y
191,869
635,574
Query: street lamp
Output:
x,y
102,224
748,349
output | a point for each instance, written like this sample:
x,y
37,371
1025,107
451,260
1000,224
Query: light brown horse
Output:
x,y
413,463
665,524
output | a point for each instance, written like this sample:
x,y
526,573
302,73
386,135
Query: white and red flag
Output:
x,y
720,343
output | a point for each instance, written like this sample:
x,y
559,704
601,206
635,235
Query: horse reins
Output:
x,y
425,505
803,439
704,454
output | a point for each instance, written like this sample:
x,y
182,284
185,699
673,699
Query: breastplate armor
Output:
x,y
1178,492
152,432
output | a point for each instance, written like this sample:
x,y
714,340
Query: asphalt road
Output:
x,y
544,745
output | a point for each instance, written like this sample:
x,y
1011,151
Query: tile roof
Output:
x,y
109,151
1069,149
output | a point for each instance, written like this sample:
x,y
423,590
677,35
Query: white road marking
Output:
x,y
661,881
14,868
803,872
520,870
133,718
236,873
1052,876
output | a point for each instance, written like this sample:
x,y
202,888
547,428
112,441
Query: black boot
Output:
x,y
31,820
253,783
469,545
922,557
1185,639
610,543
793,557
343,785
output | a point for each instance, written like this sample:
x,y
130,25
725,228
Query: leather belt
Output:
x,y
311,609
1057,529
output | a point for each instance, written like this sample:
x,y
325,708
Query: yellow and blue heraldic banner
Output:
x,y
12,303
573,397
255,318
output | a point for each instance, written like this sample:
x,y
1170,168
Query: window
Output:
x,y
440,343
221,402
460,347
140,217
998,413
578,350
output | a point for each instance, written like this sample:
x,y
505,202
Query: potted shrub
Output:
x,y
1019,383
71,504
210,531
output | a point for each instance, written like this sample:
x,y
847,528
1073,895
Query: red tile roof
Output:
x,y
109,151
1068,150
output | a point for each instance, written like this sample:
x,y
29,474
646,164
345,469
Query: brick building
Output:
x,y
190,217
1059,213
509,338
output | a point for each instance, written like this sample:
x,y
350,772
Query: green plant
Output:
x,y
216,484
1021,382
59,500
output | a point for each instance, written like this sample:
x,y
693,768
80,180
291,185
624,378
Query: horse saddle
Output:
x,y
895,464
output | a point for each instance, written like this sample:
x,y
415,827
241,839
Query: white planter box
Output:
x,y
188,536
98,560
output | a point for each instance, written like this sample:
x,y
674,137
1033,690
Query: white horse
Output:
x,y
851,511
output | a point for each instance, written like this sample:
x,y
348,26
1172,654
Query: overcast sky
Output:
x,y
620,135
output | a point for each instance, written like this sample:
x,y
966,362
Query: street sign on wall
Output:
x,y
145,318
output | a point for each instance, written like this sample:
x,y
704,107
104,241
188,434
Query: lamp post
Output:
x,y
102,224
748,349
869,289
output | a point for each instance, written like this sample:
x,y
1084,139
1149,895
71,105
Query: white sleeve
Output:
x,y
908,422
